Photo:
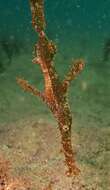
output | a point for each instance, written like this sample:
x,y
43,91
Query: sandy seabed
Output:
x,y
32,142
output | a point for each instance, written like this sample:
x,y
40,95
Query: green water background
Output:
x,y
80,29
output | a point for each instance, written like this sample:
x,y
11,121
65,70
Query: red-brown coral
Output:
x,y
7,181
4,173
55,92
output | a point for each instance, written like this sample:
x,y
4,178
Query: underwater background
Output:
x,y
80,29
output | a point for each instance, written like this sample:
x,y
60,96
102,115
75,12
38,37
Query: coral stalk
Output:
x,y
55,92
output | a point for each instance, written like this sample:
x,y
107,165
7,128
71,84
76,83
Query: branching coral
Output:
x,y
55,92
